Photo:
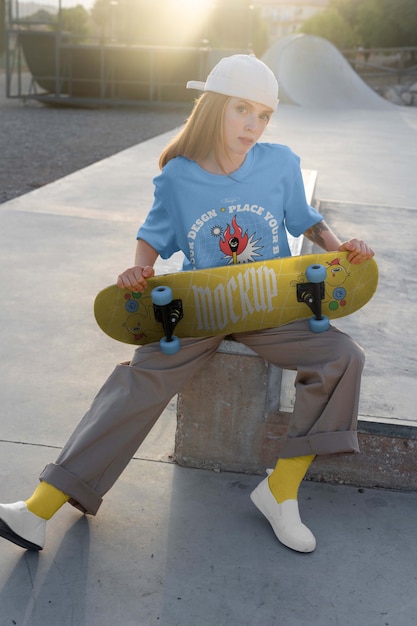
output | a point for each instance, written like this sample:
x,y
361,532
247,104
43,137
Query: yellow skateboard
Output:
x,y
237,298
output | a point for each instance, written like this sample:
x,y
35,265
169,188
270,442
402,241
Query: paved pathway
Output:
x,y
173,546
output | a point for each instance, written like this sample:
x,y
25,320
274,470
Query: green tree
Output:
x,y
259,28
40,17
368,23
74,20
331,25
101,17
373,27
348,9
403,15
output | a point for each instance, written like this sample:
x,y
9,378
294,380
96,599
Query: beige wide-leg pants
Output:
x,y
328,364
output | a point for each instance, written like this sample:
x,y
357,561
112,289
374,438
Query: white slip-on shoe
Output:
x,y
284,519
19,525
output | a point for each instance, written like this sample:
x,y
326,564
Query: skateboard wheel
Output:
x,y
170,347
161,296
316,273
319,326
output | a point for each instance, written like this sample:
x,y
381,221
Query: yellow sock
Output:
x,y
46,500
286,478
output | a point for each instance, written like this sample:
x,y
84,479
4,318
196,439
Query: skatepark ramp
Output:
x,y
311,72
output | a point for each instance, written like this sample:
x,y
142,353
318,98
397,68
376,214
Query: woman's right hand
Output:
x,y
135,278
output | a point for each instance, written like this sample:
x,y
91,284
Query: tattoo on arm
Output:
x,y
314,233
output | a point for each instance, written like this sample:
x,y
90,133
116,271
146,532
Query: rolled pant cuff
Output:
x,y
321,443
81,495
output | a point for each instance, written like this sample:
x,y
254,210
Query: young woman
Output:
x,y
216,182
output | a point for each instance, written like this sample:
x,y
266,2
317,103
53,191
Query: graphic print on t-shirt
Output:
x,y
234,234
238,247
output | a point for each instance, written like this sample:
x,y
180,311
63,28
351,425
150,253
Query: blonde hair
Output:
x,y
203,132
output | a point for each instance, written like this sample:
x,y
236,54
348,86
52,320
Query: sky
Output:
x,y
88,4
55,3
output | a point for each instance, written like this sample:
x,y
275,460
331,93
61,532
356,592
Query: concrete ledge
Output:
x,y
221,416
387,459
219,437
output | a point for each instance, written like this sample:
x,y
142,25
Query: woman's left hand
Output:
x,y
358,249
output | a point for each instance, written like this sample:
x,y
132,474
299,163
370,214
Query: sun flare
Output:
x,y
191,17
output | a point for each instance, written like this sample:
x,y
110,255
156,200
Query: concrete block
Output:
x,y
221,416
228,416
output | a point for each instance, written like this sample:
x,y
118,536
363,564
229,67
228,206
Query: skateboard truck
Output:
x,y
168,312
312,293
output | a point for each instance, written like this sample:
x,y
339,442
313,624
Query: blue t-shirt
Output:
x,y
219,220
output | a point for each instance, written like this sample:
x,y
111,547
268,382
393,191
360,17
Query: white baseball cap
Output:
x,y
242,76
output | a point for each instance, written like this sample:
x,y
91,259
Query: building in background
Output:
x,y
284,17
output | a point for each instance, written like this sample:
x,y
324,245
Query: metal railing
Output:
x,y
45,63
384,65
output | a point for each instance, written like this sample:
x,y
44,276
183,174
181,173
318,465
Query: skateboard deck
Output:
x,y
237,298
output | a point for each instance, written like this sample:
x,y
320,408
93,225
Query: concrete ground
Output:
x,y
173,546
